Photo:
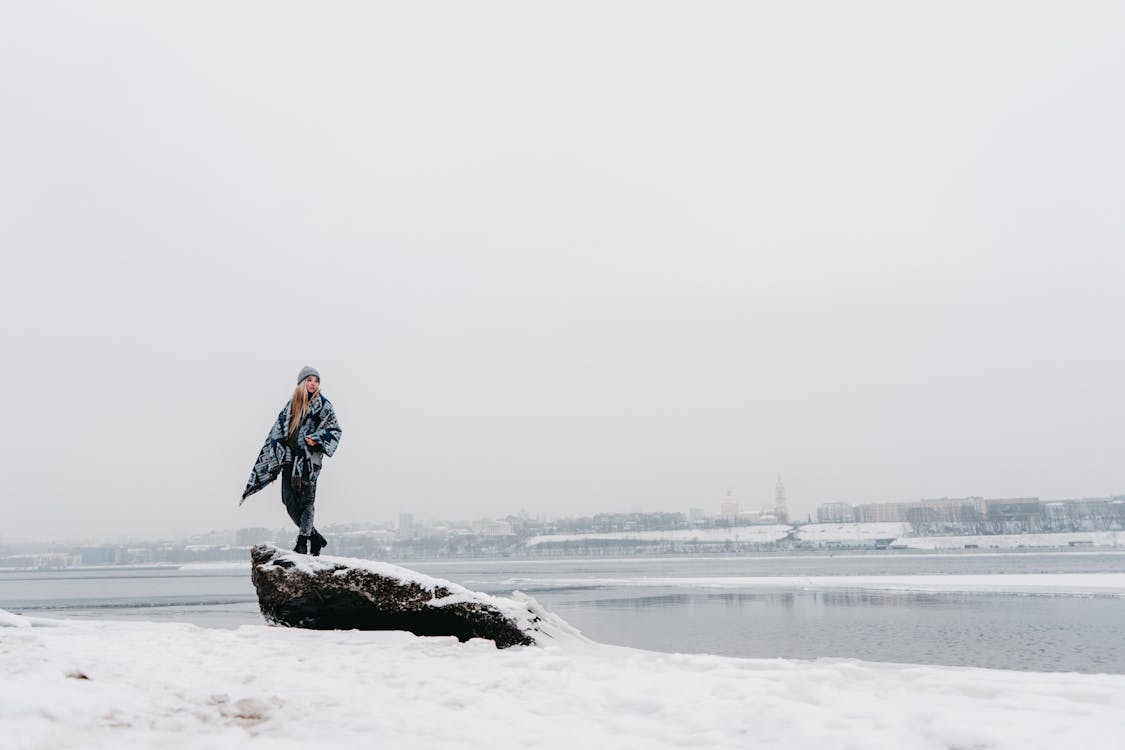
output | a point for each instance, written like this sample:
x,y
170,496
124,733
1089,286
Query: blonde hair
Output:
x,y
298,406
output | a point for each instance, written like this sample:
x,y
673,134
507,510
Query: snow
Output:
x,y
526,613
9,620
901,532
847,532
1073,584
1015,541
239,565
843,533
745,534
137,685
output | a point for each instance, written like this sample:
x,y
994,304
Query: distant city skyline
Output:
x,y
726,506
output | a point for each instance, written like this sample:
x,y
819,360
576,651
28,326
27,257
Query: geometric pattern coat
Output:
x,y
319,423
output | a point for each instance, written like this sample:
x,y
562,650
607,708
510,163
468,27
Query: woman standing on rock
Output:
x,y
305,432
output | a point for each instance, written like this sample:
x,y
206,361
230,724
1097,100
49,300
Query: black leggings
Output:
x,y
299,503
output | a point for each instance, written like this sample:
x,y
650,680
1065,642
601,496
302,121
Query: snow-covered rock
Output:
x,y
339,593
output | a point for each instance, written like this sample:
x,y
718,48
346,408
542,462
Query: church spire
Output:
x,y
780,504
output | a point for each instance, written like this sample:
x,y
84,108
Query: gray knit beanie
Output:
x,y
305,372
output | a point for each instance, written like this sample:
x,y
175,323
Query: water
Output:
x,y
1007,631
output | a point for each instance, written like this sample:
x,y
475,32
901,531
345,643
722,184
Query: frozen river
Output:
x,y
1060,611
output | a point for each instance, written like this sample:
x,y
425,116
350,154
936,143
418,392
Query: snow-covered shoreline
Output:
x,y
893,538
115,685
846,535
761,534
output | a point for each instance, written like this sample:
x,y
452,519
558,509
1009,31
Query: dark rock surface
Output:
x,y
334,593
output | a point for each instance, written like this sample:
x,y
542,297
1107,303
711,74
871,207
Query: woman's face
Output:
x,y
312,385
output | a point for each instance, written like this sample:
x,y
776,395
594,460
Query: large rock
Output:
x,y
338,593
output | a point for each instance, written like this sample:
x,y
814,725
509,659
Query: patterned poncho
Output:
x,y
319,424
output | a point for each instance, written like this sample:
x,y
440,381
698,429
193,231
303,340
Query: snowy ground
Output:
x,y
852,532
141,685
1015,541
901,532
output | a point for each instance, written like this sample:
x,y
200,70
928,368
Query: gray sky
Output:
x,y
568,257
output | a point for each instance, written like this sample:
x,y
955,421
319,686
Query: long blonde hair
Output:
x,y
298,406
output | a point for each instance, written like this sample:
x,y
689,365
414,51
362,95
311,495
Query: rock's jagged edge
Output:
x,y
340,593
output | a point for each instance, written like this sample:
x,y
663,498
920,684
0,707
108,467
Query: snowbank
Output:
x,y
108,685
8,620
852,532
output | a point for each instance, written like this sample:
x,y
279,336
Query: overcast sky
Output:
x,y
564,257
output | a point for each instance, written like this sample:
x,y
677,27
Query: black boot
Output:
x,y
302,544
317,542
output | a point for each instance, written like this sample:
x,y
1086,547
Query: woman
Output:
x,y
305,432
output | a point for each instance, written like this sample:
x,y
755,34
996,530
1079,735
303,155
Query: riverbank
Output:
x,y
114,685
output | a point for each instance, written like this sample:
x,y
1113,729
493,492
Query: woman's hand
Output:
x,y
310,442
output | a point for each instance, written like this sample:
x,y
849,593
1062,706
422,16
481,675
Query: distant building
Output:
x,y
942,510
976,515
765,515
41,561
729,508
1088,514
780,504
486,527
835,513
100,555
252,536
405,525
1020,510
